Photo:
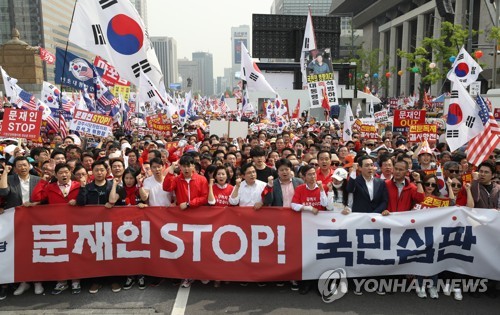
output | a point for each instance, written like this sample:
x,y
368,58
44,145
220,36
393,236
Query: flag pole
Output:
x,y
64,63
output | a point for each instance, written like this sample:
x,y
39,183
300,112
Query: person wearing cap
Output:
x,y
337,194
425,156
348,162
284,186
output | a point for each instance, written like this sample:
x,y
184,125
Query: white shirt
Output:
x,y
248,195
369,184
157,196
25,189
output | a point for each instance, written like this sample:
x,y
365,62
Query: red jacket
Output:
x,y
198,189
50,192
408,198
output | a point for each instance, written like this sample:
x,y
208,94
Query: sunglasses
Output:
x,y
456,185
370,144
335,163
314,164
430,185
454,171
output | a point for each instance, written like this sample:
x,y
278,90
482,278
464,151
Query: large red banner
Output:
x,y
235,243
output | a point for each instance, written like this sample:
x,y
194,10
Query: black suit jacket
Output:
x,y
12,194
361,200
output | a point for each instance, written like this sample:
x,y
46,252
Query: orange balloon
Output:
x,y
478,54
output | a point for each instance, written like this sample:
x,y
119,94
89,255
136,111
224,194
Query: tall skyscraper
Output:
x,y
166,51
205,60
239,34
190,71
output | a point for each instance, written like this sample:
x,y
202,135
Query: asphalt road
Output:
x,y
235,299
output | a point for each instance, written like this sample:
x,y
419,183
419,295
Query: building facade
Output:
x,y
350,38
390,25
190,72
166,51
205,60
239,34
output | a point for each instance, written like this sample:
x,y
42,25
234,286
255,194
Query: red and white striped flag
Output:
x,y
63,126
481,146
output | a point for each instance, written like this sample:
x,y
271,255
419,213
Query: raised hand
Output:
x,y
270,181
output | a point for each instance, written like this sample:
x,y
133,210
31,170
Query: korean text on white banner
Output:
x,y
91,123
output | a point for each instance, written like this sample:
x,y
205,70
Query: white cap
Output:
x,y
340,174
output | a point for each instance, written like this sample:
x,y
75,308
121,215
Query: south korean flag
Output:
x,y
463,122
114,30
251,73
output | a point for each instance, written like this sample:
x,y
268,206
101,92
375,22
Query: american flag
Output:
x,y
26,100
67,103
223,106
63,126
108,99
481,146
52,123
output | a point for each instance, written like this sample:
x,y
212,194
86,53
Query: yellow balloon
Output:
x,y
400,72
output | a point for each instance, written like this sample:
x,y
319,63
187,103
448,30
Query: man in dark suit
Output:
x,y
369,193
283,186
16,190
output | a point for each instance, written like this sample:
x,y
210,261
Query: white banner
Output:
x,y
7,246
424,242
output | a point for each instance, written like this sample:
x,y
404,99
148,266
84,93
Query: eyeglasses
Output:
x,y
454,171
430,185
456,185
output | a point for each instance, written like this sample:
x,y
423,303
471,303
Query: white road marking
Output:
x,y
181,301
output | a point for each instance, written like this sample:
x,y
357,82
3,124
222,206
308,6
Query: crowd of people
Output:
x,y
308,168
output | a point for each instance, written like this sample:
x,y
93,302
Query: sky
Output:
x,y
203,25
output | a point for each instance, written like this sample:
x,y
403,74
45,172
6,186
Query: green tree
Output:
x,y
367,62
437,50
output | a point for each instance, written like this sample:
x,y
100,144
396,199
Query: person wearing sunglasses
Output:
x,y
462,192
431,189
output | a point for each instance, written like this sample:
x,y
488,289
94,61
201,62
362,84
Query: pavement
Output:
x,y
234,299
